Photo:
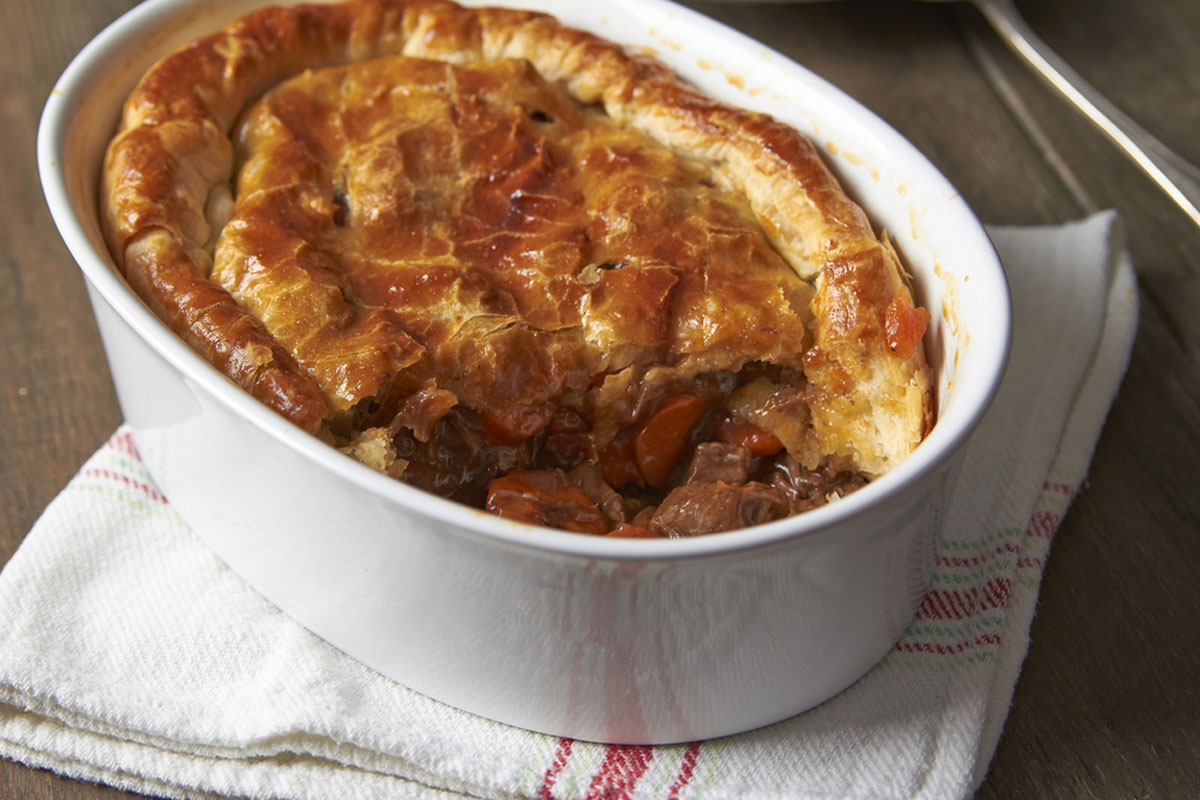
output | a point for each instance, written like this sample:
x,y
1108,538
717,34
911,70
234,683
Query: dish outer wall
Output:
x,y
619,641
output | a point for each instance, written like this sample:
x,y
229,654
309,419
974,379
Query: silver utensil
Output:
x,y
1174,175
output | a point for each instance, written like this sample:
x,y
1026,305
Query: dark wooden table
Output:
x,y
1108,703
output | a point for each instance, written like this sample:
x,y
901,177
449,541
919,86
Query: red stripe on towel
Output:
x,y
983,640
561,754
1043,524
623,765
1008,546
124,443
964,603
1061,488
687,768
144,488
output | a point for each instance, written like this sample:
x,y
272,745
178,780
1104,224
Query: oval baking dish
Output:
x,y
634,641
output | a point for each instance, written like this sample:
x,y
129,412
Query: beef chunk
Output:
x,y
457,462
590,479
717,461
710,507
807,489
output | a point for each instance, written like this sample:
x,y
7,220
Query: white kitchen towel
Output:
x,y
130,655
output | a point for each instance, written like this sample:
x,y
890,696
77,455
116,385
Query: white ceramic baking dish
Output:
x,y
634,641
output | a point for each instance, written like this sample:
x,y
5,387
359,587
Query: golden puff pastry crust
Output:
x,y
427,231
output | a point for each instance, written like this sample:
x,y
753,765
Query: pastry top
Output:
x,y
375,211
474,229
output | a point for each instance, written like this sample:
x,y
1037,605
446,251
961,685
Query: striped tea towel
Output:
x,y
130,655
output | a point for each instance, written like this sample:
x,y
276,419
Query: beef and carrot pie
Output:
x,y
512,264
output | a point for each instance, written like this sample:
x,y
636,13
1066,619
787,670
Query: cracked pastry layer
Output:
x,y
511,263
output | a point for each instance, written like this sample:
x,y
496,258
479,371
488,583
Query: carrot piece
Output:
x,y
627,531
748,435
618,463
515,425
905,324
662,438
545,497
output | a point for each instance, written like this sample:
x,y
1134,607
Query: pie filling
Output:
x,y
463,276
693,464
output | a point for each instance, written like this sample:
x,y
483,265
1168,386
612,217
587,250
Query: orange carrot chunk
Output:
x,y
618,463
515,425
905,324
661,440
758,441
545,497
627,531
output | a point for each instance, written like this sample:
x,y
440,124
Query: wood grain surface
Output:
x,y
1108,702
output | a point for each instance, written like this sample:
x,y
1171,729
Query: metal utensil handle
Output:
x,y
1174,175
